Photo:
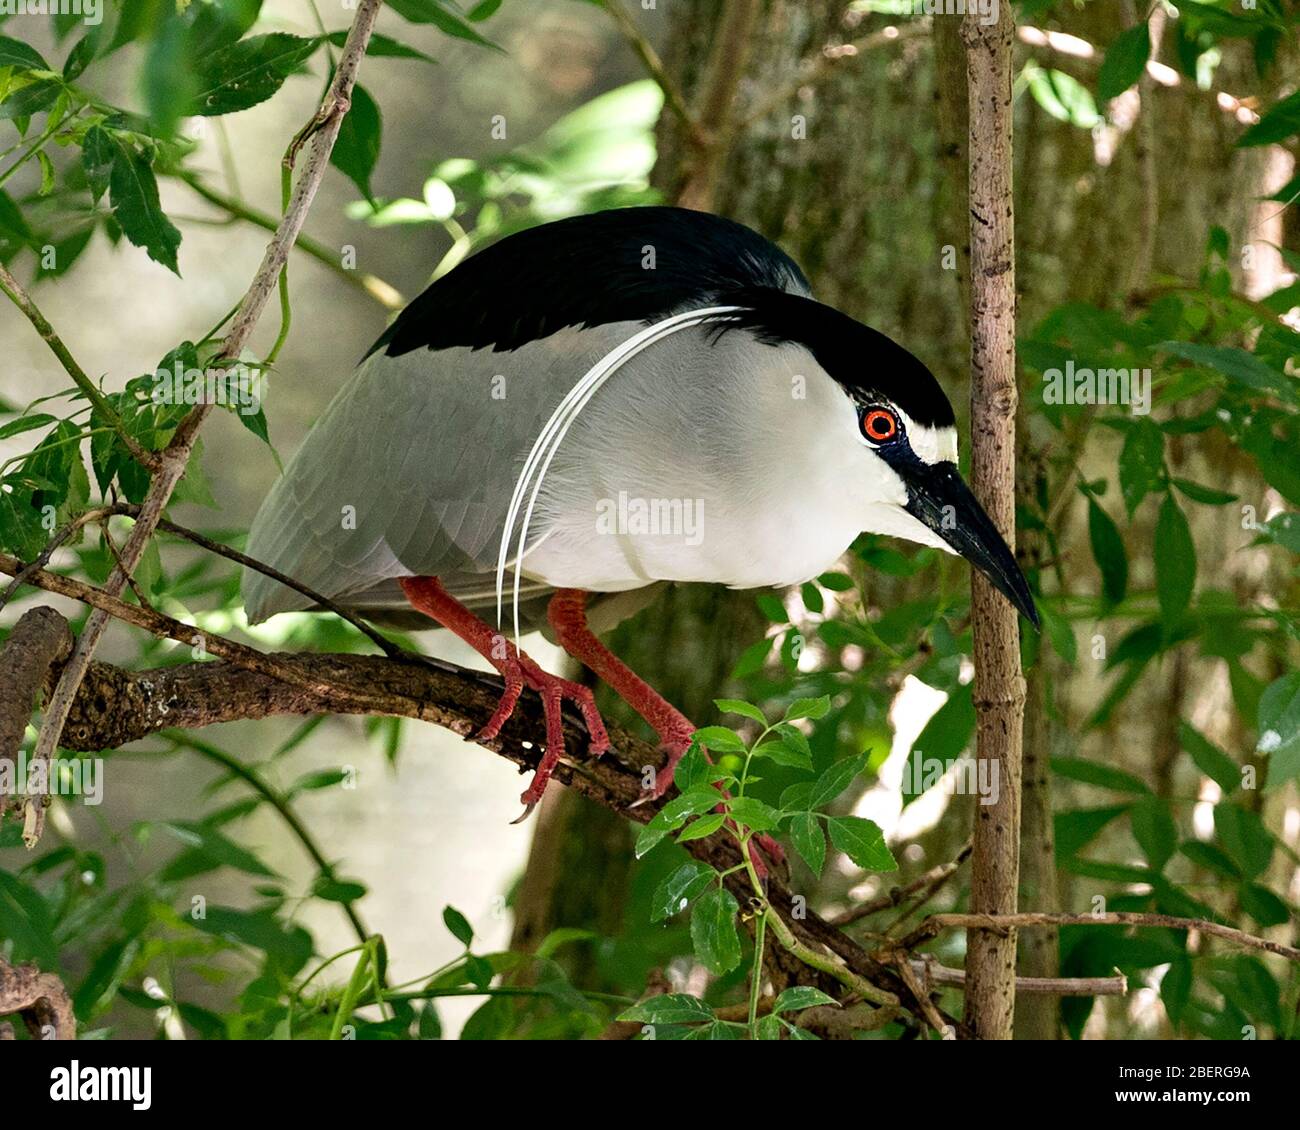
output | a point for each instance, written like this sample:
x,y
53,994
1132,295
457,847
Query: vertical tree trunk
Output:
x,y
999,686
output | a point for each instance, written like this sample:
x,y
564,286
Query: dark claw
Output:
x,y
527,812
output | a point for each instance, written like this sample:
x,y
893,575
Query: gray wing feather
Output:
x,y
411,467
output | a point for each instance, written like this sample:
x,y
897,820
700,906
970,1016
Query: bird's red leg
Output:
x,y
427,595
568,616
567,613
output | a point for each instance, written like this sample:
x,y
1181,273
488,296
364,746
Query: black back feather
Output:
x,y
588,271
591,270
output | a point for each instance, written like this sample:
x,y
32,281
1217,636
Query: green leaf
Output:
x,y
753,658
1098,773
97,152
678,888
1108,552
243,74
835,780
1280,122
383,46
217,848
808,708
719,739
1126,59
1141,463
1284,529
1206,495
80,57
1155,831
133,193
25,424
356,151
701,828
673,815
14,53
31,98
1238,366
1077,827
338,890
809,841
1176,989
672,1008
1175,556
812,598
290,945
1263,905
694,771
835,582
447,22
942,740
744,709
713,930
783,753
798,997
458,925
1210,857
862,841
1244,837
753,813
1209,758
1278,726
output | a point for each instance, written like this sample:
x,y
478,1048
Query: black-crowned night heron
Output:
x,y
596,407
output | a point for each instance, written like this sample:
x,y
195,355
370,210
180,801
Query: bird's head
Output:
x,y
922,496
904,464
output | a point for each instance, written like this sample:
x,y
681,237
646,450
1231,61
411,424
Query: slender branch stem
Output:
x,y
281,805
1004,923
173,461
673,97
20,298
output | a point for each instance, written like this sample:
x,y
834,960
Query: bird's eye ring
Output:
x,y
879,425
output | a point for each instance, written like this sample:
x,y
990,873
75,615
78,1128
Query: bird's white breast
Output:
x,y
736,463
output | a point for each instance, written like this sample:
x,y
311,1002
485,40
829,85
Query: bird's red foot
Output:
x,y
519,671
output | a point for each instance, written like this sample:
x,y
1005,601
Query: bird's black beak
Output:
x,y
938,496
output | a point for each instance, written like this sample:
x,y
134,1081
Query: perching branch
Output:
x,y
38,641
114,706
174,459
40,999
999,686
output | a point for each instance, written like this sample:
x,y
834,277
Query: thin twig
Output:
x,y
173,460
673,97
20,298
935,877
1002,923
1115,986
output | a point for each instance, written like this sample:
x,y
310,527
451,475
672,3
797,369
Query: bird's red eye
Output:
x,y
879,425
